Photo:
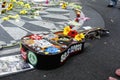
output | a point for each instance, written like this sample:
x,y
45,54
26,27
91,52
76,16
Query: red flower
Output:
x,y
77,19
72,33
71,26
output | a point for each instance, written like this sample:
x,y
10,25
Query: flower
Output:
x,y
15,17
72,33
64,5
20,3
79,37
66,30
27,6
52,50
12,0
10,6
23,12
5,18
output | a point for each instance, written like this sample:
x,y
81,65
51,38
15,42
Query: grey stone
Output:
x,y
13,42
9,51
1,47
8,24
67,14
16,33
55,17
57,10
61,23
43,24
17,22
9,44
43,12
2,43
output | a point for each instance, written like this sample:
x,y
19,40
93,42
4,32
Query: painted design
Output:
x,y
23,53
52,50
32,58
70,50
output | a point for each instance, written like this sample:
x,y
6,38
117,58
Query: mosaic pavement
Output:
x,y
50,19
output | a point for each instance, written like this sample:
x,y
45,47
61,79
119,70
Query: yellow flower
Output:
x,y
27,6
64,5
20,3
23,12
79,37
15,17
66,30
5,18
12,0
10,6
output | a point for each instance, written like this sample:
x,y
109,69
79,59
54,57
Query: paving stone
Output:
x,y
55,17
67,14
1,20
18,23
35,27
16,33
2,43
43,13
1,47
13,42
44,24
61,23
57,10
9,44
8,24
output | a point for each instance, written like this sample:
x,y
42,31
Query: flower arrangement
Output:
x,y
73,34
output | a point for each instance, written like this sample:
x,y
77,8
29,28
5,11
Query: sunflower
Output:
x,y
79,37
66,30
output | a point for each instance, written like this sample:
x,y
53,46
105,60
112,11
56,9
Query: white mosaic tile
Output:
x,y
57,10
16,33
55,16
17,22
44,24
